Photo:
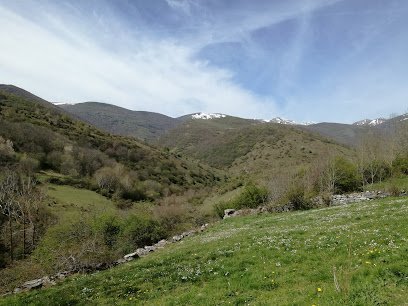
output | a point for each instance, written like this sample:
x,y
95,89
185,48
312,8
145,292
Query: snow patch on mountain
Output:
x,y
281,120
206,116
370,122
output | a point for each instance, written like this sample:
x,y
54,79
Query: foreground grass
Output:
x,y
350,255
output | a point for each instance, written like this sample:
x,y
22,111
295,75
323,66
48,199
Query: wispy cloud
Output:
x,y
148,75
312,55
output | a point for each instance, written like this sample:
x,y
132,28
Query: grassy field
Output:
x,y
350,255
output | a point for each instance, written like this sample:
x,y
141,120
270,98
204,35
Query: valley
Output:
x,y
82,185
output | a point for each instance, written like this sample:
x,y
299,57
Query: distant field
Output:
x,y
350,255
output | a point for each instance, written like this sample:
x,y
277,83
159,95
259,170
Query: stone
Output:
x,y
131,256
229,213
177,238
141,252
161,244
35,283
150,248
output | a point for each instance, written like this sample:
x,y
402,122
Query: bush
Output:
x,y
400,165
110,228
347,178
251,197
298,198
394,190
140,231
220,207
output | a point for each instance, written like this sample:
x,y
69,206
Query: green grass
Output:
x,y
399,182
278,259
70,203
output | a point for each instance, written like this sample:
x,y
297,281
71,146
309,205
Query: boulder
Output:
x,y
142,252
161,244
229,213
35,283
131,256
150,248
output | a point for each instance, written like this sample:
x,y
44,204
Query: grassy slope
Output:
x,y
68,204
249,147
279,259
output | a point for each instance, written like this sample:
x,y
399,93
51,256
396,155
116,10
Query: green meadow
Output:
x,y
348,255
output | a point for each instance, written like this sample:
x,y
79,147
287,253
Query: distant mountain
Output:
x,y
281,120
206,116
121,121
249,147
370,122
345,134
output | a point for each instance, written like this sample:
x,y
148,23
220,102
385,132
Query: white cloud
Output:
x,y
150,75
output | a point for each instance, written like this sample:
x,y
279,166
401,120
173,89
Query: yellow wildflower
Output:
x,y
319,289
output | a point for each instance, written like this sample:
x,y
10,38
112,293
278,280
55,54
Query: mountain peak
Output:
x,y
370,122
281,120
207,116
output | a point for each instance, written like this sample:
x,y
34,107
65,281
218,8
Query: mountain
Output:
x,y
281,120
370,122
28,96
345,134
54,140
248,147
121,121
206,116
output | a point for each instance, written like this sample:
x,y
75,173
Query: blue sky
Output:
x,y
307,60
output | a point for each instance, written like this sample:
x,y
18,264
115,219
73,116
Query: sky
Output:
x,y
306,60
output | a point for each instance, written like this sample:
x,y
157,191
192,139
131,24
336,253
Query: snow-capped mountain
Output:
x,y
206,116
281,120
370,122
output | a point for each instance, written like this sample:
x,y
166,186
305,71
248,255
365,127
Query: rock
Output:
x,y
150,248
142,252
120,261
35,283
131,256
229,213
161,244
177,238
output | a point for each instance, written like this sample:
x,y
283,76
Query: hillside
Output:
x,y
346,134
336,255
40,129
353,134
260,150
121,121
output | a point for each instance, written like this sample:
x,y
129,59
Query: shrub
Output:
x,y
347,178
394,190
400,165
221,206
251,197
140,231
298,198
109,227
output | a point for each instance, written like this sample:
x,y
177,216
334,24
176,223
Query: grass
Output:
x,y
398,182
70,203
278,259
